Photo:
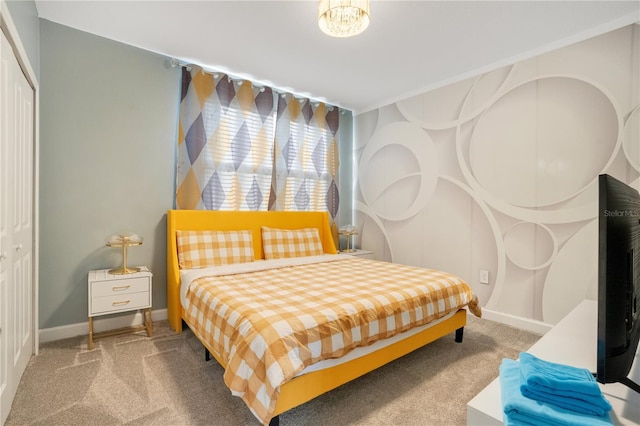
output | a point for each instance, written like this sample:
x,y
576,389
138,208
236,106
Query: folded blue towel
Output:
x,y
520,410
562,385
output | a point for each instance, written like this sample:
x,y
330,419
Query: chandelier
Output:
x,y
343,18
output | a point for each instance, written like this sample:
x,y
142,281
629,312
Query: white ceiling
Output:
x,y
409,47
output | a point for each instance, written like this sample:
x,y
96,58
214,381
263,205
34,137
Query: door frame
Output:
x,y
11,32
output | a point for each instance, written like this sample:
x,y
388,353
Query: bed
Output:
x,y
211,299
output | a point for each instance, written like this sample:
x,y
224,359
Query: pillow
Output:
x,y
200,249
279,243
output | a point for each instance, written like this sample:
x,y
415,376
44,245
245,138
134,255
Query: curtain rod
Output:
x,y
175,63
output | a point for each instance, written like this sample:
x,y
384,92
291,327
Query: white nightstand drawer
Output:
x,y
119,303
120,287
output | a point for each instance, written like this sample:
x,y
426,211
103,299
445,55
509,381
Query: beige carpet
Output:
x,y
164,380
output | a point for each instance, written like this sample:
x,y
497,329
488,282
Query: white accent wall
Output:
x,y
499,173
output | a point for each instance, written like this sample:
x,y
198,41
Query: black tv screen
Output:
x,y
618,280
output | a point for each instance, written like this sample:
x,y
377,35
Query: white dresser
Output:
x,y
572,342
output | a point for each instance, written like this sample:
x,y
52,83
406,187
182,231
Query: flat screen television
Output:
x,y
618,281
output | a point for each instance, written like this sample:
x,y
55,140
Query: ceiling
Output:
x,y
409,47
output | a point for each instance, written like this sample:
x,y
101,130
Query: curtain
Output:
x,y
225,143
244,147
305,157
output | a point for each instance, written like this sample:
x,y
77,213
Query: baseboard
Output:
x,y
534,326
99,324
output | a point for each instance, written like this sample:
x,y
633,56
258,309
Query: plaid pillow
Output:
x,y
200,249
278,243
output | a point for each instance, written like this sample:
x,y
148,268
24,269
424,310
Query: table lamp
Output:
x,y
124,241
348,231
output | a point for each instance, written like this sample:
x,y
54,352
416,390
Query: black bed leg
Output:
x,y
207,355
275,421
459,333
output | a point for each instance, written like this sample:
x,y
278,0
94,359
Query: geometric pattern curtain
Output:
x,y
306,157
225,143
243,147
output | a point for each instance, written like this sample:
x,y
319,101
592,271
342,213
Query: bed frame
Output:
x,y
308,386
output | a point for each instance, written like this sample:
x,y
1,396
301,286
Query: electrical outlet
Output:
x,y
484,276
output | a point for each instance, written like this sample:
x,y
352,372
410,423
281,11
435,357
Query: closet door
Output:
x,y
16,225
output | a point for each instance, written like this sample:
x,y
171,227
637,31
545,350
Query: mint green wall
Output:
x,y
108,126
25,17
345,185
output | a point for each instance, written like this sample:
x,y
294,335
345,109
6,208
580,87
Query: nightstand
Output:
x,y
111,293
367,254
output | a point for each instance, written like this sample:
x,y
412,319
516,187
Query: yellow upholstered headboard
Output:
x,y
227,221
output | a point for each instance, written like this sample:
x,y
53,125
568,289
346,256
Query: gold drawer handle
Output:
x,y
122,302
120,287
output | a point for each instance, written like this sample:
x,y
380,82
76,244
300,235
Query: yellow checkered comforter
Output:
x,y
268,325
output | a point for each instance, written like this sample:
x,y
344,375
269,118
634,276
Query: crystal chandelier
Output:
x,y
343,18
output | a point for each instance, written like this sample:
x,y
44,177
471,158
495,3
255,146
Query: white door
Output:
x,y
16,225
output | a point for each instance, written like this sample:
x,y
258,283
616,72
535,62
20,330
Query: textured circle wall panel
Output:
x,y
374,235
459,223
530,246
446,107
573,275
552,215
364,126
533,134
631,138
392,190
398,171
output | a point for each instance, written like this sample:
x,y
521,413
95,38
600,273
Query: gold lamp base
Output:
x,y
124,271
124,241
348,232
